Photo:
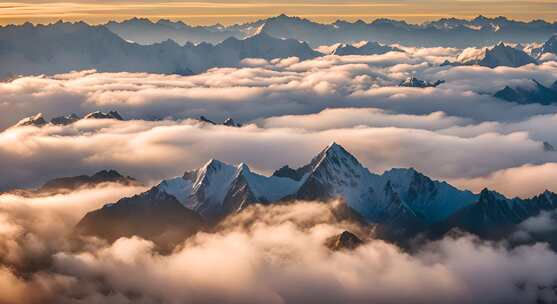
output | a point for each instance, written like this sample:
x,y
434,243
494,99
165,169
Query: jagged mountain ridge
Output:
x,y
363,48
144,31
38,119
218,189
495,216
480,31
72,183
154,215
499,55
403,202
530,92
64,47
550,46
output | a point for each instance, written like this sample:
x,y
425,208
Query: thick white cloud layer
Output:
x,y
151,151
281,87
274,254
453,132
524,181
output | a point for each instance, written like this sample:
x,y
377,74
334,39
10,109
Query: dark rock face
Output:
x,y
229,122
65,120
286,171
495,216
344,241
550,46
528,93
153,215
83,181
206,120
239,196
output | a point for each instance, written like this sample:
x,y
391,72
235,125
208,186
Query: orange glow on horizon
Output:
x,y
229,12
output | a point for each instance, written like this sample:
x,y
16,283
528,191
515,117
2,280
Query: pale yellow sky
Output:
x,y
227,12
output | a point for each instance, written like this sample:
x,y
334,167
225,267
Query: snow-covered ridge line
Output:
x,y
218,188
400,202
453,32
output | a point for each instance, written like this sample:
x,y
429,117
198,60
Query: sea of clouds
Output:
x,y
271,254
290,110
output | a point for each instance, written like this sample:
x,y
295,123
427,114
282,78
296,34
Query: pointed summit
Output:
x,y
243,168
213,164
504,55
334,154
491,198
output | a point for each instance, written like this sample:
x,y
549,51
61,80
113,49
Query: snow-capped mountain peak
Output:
x,y
217,188
334,154
502,55
35,120
102,115
413,82
361,48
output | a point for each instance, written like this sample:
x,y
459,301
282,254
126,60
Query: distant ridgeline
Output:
x,y
452,32
139,45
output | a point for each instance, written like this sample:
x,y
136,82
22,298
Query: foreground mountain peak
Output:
x,y
334,149
401,201
213,164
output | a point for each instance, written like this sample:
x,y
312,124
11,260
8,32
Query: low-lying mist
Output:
x,y
264,254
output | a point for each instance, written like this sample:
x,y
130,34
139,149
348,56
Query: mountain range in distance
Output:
x,y
68,184
39,121
450,32
499,55
400,203
529,92
64,47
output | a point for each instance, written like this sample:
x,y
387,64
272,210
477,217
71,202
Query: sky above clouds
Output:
x,y
227,12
